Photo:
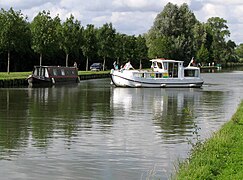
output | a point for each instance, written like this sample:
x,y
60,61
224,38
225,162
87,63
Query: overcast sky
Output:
x,y
131,17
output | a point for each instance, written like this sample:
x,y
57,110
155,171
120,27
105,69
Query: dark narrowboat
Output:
x,y
52,75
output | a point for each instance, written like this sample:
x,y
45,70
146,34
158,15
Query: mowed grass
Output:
x,y
24,75
220,157
14,75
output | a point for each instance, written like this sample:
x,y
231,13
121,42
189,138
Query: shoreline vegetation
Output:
x,y
220,156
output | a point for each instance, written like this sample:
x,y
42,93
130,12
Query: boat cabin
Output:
x,y
54,71
173,69
53,75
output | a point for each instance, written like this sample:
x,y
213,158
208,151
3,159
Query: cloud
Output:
x,y
25,4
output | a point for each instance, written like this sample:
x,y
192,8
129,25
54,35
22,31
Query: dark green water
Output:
x,y
95,131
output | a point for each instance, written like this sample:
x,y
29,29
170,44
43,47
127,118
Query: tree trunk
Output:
x,y
104,64
67,60
8,62
40,59
87,64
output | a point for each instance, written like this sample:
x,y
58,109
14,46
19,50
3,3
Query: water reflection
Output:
x,y
94,131
13,123
173,111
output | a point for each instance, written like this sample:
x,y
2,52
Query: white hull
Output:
x,y
135,78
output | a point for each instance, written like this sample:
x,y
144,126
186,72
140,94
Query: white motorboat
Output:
x,y
163,73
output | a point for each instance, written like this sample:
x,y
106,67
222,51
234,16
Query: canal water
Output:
x,y
95,131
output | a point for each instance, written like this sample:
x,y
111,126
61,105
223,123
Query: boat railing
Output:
x,y
150,74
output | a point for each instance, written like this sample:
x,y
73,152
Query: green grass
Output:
x,y
220,157
14,75
93,72
24,75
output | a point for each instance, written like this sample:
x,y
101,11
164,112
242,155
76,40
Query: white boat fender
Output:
x,y
53,80
138,85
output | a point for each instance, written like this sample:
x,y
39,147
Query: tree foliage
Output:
x,y
14,32
44,33
89,46
175,34
106,42
219,31
70,36
239,51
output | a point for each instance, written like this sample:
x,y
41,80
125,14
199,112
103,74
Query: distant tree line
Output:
x,y
175,34
48,41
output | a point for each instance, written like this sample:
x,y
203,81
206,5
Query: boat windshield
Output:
x,y
41,72
157,66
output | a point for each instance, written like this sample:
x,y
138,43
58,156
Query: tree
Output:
x,y
219,31
118,47
70,36
202,55
106,42
14,32
239,51
89,45
141,49
129,49
44,33
230,52
173,30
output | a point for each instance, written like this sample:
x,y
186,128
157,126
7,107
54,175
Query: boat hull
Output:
x,y
127,79
53,75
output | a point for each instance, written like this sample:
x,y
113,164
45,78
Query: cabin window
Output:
x,y
68,72
63,72
191,73
36,72
173,70
42,73
59,72
154,65
46,73
165,65
54,72
159,65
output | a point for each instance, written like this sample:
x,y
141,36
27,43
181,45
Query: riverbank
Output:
x,y
18,79
220,157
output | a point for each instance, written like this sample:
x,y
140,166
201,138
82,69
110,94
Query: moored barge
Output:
x,y
52,75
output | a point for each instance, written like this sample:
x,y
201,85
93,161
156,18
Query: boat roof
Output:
x,y
165,60
62,67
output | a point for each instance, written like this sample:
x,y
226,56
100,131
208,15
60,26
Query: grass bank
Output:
x,y
24,75
14,75
220,157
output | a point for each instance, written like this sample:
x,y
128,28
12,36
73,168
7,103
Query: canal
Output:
x,y
95,131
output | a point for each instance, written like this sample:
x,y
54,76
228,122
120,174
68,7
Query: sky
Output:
x,y
132,17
